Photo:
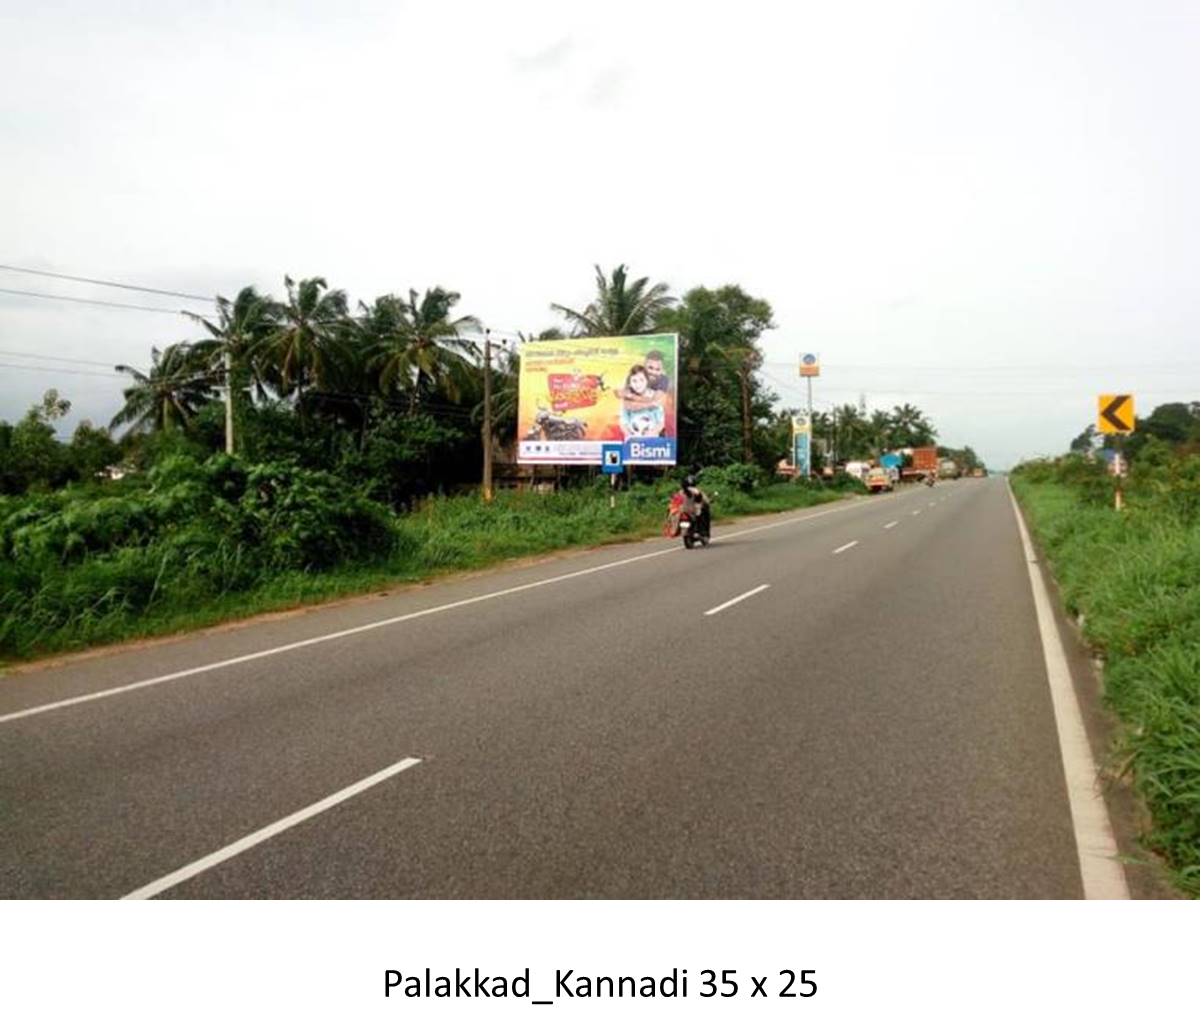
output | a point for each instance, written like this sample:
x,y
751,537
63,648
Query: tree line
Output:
x,y
390,392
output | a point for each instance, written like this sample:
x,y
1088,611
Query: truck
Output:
x,y
878,479
948,470
923,462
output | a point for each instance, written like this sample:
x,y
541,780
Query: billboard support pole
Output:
x,y
809,438
487,430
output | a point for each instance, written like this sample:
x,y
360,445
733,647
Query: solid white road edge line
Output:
x,y
891,524
736,599
843,548
1100,871
239,846
161,679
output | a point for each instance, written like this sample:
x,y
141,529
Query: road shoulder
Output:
x,y
1146,876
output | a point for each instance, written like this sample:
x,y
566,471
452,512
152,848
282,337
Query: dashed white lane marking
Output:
x,y
843,548
162,679
916,512
736,599
891,524
1100,871
238,846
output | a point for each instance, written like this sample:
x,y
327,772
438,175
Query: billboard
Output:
x,y
578,395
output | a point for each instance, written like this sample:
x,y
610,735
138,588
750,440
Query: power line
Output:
x,y
183,380
107,283
52,369
91,301
55,358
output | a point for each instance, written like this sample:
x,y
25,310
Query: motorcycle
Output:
x,y
687,519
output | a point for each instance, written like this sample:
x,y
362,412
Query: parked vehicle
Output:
x,y
948,469
924,461
859,469
878,479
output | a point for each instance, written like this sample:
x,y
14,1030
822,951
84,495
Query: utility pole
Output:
x,y
744,377
487,431
229,404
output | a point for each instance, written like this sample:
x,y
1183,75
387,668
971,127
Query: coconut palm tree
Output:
x,y
169,394
241,326
620,307
910,427
308,340
419,347
880,424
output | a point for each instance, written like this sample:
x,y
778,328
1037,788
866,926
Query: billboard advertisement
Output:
x,y
578,395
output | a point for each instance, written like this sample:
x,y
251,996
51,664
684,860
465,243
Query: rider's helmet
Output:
x,y
689,481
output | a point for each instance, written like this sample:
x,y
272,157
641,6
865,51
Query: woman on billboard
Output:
x,y
642,409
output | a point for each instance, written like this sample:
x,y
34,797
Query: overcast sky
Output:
x,y
988,209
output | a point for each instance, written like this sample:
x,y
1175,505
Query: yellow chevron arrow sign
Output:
x,y
1115,414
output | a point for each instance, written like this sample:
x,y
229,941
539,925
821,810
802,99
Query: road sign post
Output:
x,y
1115,415
612,463
810,367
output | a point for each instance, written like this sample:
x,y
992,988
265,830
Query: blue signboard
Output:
x,y
890,459
612,459
800,453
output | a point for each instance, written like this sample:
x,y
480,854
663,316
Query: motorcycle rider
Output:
x,y
699,503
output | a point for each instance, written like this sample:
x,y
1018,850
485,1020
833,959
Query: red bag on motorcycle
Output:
x,y
671,529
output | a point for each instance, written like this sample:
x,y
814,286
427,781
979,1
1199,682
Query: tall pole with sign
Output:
x,y
810,367
1115,415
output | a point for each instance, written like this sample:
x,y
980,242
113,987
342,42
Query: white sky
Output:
x,y
988,209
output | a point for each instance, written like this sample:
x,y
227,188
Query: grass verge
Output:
x,y
1134,578
93,602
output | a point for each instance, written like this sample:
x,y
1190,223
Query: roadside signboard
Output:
x,y
810,366
611,457
1115,414
578,396
801,445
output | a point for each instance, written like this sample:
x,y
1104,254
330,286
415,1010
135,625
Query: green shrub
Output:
x,y
196,539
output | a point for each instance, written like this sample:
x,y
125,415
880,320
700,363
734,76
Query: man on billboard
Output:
x,y
659,380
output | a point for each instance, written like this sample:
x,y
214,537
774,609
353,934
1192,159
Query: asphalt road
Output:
x,y
874,723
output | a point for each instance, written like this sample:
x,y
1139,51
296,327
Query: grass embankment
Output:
x,y
1133,575
197,544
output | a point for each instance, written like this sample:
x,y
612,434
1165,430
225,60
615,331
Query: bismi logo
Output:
x,y
641,451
